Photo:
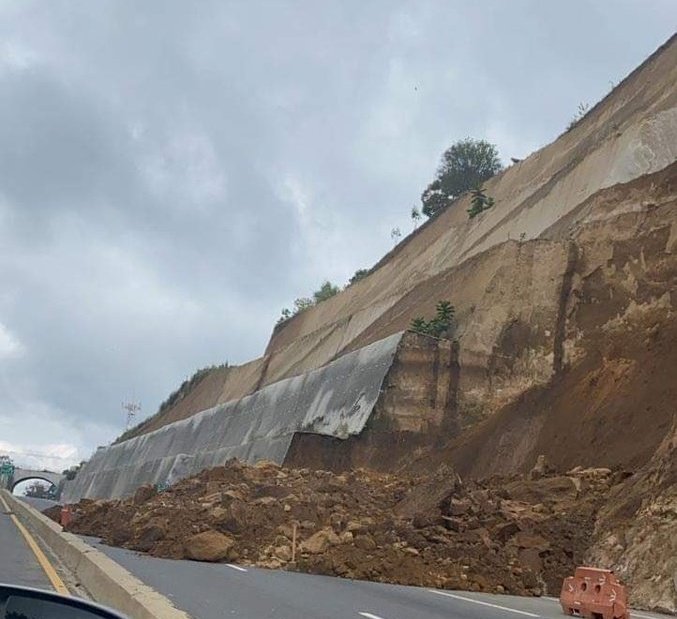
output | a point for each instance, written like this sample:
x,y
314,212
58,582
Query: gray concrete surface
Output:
x,y
334,400
18,565
211,591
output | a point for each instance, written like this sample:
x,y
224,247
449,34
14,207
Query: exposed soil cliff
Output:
x,y
585,377
566,345
636,532
511,271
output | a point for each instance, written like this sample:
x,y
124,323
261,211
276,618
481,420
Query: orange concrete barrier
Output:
x,y
66,515
594,594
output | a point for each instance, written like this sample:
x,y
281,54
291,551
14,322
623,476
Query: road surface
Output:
x,y
215,591
18,563
39,504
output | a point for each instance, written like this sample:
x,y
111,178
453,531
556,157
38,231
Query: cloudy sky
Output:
x,y
173,173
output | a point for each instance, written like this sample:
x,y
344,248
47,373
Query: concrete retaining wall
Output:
x,y
335,400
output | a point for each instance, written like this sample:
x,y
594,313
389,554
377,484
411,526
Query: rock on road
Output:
x,y
217,590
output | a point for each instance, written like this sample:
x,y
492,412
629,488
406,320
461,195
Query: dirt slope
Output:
x,y
613,409
636,532
631,134
583,374
566,346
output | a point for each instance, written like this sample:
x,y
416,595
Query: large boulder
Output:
x,y
320,541
209,546
149,536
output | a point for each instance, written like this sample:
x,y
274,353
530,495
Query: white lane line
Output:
x,y
465,599
636,614
369,615
236,567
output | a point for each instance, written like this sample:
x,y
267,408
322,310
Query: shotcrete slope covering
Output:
x,y
335,400
631,133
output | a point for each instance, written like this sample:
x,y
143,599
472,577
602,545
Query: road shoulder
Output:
x,y
107,582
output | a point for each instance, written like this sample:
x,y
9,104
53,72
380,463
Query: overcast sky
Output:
x,y
173,173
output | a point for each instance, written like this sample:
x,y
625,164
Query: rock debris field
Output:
x,y
519,534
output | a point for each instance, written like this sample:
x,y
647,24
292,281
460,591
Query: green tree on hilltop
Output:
x,y
465,165
326,291
359,274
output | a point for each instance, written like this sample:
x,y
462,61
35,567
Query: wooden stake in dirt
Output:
x,y
293,544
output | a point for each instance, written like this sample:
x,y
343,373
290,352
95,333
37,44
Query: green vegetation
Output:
x,y
71,472
583,109
466,165
187,385
302,303
359,274
415,216
419,325
480,202
324,292
441,326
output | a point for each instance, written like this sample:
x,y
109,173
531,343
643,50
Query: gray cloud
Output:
x,y
172,174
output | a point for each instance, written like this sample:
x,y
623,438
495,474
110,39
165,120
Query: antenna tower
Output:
x,y
132,409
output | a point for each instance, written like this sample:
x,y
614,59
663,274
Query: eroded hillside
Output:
x,y
564,351
582,236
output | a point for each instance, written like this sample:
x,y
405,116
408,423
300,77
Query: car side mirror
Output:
x,y
26,603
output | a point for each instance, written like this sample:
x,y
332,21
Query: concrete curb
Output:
x,y
108,583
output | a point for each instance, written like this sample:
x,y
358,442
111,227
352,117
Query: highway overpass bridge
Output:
x,y
10,481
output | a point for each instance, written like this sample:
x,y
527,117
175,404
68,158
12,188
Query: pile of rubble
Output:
x,y
510,535
636,530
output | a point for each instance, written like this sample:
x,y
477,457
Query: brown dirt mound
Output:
x,y
53,512
507,535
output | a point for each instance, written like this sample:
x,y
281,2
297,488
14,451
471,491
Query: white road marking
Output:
x,y
636,614
465,599
236,567
369,615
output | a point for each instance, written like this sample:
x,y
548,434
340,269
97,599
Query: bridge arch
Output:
x,y
22,475
16,482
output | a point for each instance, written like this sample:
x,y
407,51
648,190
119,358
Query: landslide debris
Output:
x,y
511,535
636,531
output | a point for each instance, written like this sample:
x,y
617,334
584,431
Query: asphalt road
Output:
x,y
211,591
39,504
18,565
